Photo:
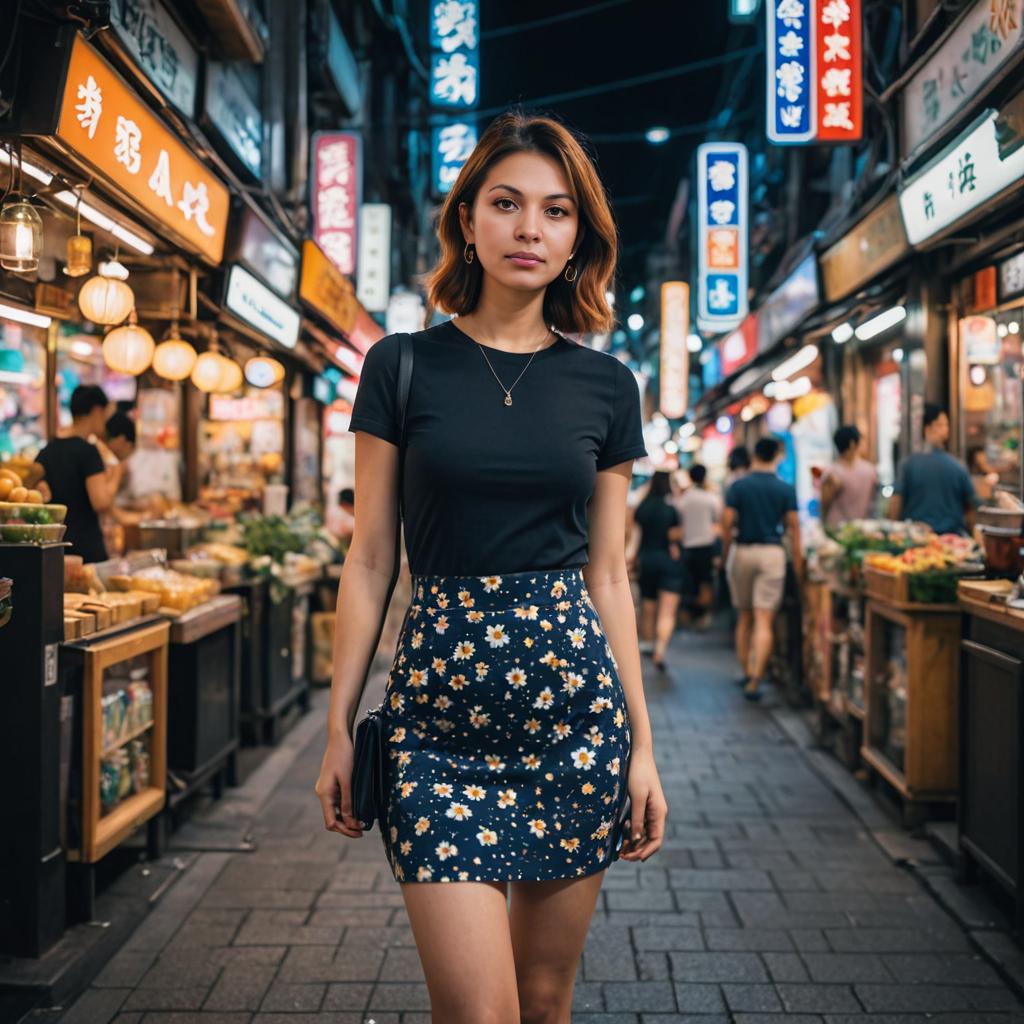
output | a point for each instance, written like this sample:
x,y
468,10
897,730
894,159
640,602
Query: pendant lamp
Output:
x,y
207,372
79,258
21,234
174,357
231,376
106,298
263,371
129,349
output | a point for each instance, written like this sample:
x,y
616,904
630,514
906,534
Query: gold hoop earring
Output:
x,y
570,277
469,253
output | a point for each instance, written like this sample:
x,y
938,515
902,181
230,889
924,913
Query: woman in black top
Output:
x,y
514,707
658,533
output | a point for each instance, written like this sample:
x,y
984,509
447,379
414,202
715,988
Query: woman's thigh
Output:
x,y
549,922
462,935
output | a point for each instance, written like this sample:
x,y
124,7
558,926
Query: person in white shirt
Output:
x,y
701,511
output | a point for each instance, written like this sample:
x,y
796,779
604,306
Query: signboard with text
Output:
x,y
252,301
373,285
674,376
979,165
815,71
335,194
455,53
324,288
867,249
452,145
721,235
983,40
103,121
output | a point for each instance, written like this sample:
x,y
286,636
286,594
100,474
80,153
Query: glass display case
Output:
x,y
22,389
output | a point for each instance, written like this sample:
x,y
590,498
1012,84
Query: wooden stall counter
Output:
x,y
990,816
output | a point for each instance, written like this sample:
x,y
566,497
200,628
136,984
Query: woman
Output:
x,y
656,541
516,723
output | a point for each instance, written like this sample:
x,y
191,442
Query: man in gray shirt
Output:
x,y
933,486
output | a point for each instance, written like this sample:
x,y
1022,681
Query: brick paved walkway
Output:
x,y
769,903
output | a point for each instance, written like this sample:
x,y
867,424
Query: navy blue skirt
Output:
x,y
507,732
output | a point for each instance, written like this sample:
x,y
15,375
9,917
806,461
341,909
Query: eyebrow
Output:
x,y
515,191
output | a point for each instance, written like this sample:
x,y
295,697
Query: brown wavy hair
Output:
x,y
580,306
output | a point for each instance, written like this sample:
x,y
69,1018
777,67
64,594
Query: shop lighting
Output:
x,y
687,430
978,376
635,322
888,490
747,413
877,324
82,349
23,316
230,378
897,355
656,136
724,424
106,298
174,357
207,372
745,380
788,390
671,448
21,234
263,371
1002,330
694,342
795,363
609,297
842,334
129,349
1013,327
637,294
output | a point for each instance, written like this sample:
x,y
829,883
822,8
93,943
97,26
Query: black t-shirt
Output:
x,y
69,462
761,501
656,517
491,488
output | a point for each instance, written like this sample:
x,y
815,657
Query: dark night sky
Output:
x,y
617,41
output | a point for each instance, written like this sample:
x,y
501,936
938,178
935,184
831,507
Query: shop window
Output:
x,y
992,408
80,362
22,389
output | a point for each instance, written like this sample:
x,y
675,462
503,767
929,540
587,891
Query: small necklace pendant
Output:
x,y
508,399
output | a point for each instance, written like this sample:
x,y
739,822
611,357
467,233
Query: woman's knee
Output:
x,y
489,1011
545,1001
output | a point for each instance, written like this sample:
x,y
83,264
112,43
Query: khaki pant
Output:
x,y
757,576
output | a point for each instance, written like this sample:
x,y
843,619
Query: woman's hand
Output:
x,y
647,827
334,788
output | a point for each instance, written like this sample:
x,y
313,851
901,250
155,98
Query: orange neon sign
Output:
x,y
103,121
324,287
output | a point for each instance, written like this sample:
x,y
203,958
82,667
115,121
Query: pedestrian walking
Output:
x,y
934,487
759,508
656,542
701,511
849,485
737,465
514,710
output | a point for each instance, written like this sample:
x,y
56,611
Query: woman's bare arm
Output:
x,y
608,585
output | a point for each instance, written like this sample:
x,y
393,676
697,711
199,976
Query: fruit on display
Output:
x,y
177,592
948,551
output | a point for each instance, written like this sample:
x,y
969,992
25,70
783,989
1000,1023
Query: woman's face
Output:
x,y
524,222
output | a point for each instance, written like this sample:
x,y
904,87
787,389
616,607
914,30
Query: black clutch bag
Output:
x,y
369,757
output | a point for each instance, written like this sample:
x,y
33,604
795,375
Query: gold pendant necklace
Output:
x,y
508,391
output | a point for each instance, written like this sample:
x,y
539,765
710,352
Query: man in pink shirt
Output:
x,y
848,488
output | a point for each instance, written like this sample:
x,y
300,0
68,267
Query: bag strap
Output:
x,y
402,389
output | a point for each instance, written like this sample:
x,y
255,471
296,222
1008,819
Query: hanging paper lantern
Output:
x,y
207,372
79,256
263,371
231,376
129,349
106,298
174,359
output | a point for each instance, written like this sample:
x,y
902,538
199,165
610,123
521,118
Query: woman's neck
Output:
x,y
513,318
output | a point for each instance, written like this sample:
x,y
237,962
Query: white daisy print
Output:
x,y
544,699
464,650
532,761
561,730
487,837
423,825
417,677
494,763
443,789
516,678
577,637
466,599
479,718
442,703
506,798
424,874
444,724
460,812
474,616
572,845
532,726
458,681
538,827
482,668
600,704
417,640
583,758
439,665
397,702
474,792
613,766
491,583
558,589
446,850
497,637
573,682
442,624
398,736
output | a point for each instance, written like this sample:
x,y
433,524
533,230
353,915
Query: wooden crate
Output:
x,y
893,587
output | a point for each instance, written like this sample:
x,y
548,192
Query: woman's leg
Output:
x,y
462,935
668,609
549,922
648,610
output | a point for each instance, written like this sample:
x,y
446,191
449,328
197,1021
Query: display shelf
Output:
x,y
99,833
911,720
126,739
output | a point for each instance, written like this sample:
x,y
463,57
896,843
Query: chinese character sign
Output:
x,y
722,235
455,56
815,77
452,144
791,62
675,356
334,196
104,122
982,42
838,75
973,170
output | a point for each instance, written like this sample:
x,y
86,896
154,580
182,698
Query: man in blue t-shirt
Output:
x,y
759,508
933,486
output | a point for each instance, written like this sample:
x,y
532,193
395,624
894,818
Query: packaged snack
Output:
x,y
138,756
110,783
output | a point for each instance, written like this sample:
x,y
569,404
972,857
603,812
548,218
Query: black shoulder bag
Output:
x,y
369,758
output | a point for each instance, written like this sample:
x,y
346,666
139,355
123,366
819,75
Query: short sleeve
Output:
x,y
730,497
625,438
791,505
92,461
374,408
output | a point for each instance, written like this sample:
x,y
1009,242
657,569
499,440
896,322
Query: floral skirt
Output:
x,y
507,732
